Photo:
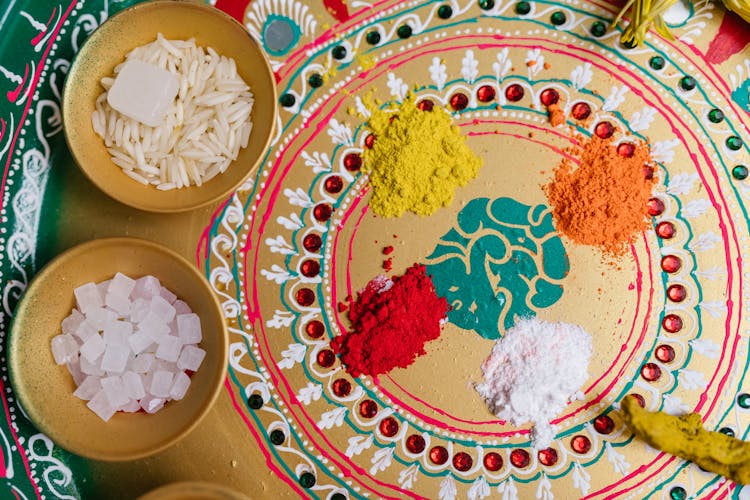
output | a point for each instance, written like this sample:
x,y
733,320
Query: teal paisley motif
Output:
x,y
502,259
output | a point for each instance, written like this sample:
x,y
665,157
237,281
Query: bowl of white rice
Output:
x,y
169,106
49,391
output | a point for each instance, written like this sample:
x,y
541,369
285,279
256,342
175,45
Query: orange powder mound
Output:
x,y
602,201
556,115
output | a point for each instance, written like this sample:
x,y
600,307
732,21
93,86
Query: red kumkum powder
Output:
x,y
391,327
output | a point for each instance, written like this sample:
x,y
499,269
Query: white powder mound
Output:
x,y
533,372
128,345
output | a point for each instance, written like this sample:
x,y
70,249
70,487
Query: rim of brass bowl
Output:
x,y
107,47
45,390
193,490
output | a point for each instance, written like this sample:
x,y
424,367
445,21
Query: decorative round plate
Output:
x,y
667,318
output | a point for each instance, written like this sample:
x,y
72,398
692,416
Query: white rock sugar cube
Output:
x,y
74,368
72,322
139,341
64,349
161,383
191,358
85,331
189,328
117,332
142,363
121,285
115,358
146,287
133,385
181,307
102,287
90,386
115,391
143,91
119,303
169,348
99,404
167,295
93,348
153,326
151,404
162,309
88,298
131,406
100,317
91,367
139,309
179,386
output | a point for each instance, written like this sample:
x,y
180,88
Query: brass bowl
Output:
x,y
45,390
107,47
193,490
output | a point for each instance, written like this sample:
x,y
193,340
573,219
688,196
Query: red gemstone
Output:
x,y
312,242
486,93
342,387
322,212
676,293
514,93
671,263
438,455
548,456
665,229
493,462
580,111
520,458
370,140
333,184
549,97
315,329
425,105
462,461
388,427
655,206
665,353
353,161
672,323
326,358
639,398
604,130
580,444
626,149
648,172
310,268
305,297
651,372
368,408
415,444
459,101
604,424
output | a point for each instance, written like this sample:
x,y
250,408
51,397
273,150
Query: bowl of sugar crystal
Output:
x,y
117,349
169,106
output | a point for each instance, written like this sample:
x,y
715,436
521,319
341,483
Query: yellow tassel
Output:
x,y
644,13
740,7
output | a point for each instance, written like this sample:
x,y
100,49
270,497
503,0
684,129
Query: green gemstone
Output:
x,y
315,80
444,12
734,143
678,493
277,437
404,31
657,62
523,8
307,480
739,172
373,38
598,29
486,4
338,496
727,430
716,116
687,83
255,401
558,18
629,44
339,52
744,400
287,100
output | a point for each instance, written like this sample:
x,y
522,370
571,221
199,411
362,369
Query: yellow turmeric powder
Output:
x,y
685,437
417,160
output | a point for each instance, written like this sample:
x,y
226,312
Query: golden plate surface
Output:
x,y
193,490
107,47
45,390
